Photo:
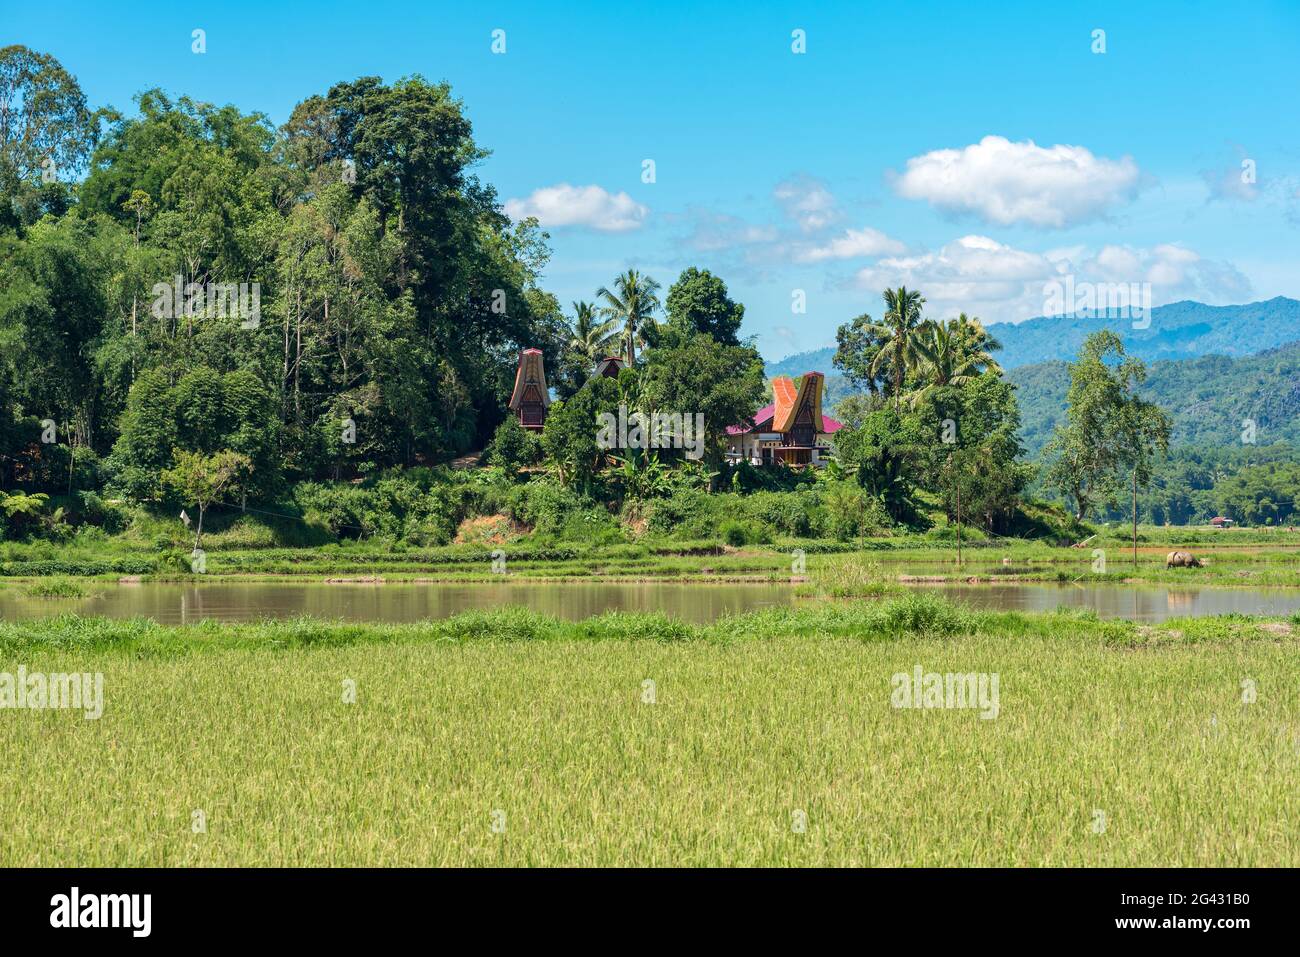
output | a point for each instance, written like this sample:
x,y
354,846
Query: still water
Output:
x,y
1137,603
172,603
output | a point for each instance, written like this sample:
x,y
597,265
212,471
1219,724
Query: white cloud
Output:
x,y
590,206
807,200
980,276
1230,184
712,232
1007,183
852,244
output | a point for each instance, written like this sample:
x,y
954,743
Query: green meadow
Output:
x,y
510,738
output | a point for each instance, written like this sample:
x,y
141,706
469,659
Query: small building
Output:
x,y
1220,522
792,429
608,368
531,398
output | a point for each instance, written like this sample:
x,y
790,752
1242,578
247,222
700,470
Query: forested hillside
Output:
x,y
1212,400
334,296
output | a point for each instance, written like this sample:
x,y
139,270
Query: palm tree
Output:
x,y
901,323
977,340
953,353
633,303
590,337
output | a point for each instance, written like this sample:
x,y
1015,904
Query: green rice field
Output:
x,y
509,738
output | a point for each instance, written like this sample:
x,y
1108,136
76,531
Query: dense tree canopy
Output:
x,y
698,302
345,286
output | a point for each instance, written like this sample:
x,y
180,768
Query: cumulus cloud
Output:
x,y
1000,283
807,201
589,206
1009,183
852,244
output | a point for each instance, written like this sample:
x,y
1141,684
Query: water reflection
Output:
x,y
172,603
1137,603
244,601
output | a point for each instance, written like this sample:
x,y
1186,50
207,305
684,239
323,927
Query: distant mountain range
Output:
x,y
1210,367
1180,330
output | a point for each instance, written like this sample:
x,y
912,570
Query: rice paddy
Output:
x,y
768,739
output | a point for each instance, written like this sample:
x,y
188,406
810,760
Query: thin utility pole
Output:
x,y
1135,518
959,522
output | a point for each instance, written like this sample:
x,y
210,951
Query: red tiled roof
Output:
x,y
765,414
760,417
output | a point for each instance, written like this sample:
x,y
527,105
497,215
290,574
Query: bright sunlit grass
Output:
x,y
752,719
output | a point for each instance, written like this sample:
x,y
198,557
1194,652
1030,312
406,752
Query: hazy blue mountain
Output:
x,y
1180,330
816,360
1034,352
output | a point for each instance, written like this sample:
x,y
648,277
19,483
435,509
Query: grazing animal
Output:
x,y
1182,560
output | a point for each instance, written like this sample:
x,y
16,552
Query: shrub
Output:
x,y
689,513
785,513
513,447
419,506
851,511
735,533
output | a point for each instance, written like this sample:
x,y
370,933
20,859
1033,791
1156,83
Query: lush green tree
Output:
x,y
570,434
889,451
976,460
200,410
203,480
899,328
1108,429
52,309
698,302
46,132
632,303
952,353
858,343
587,340
591,337
513,447
723,383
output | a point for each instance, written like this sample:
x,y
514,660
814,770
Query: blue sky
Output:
x,y
976,151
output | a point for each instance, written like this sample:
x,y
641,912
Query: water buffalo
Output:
x,y
1182,560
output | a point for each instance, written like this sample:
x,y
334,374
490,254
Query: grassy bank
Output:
x,y
753,718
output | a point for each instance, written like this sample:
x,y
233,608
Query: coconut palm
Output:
x,y
590,337
952,353
901,323
633,303
977,340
